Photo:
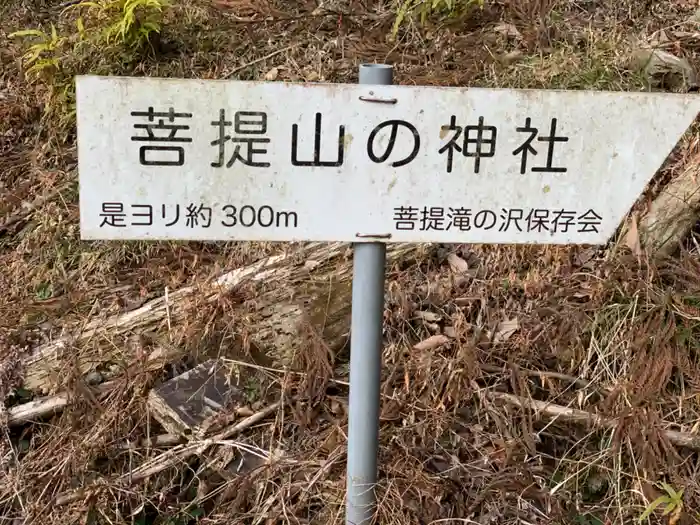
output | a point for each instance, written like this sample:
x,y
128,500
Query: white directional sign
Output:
x,y
230,160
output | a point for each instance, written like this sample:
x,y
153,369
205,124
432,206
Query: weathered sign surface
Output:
x,y
230,160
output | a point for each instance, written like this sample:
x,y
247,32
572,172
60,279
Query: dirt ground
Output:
x,y
521,384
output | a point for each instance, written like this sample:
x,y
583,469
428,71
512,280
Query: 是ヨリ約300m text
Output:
x,y
194,215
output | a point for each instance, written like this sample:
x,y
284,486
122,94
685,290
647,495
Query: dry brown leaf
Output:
x,y
505,329
508,30
585,256
432,342
429,317
433,327
244,411
272,74
457,264
675,515
512,57
450,332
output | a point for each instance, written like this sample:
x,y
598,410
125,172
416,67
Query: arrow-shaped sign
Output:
x,y
229,160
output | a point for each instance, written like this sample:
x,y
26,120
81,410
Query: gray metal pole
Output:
x,y
365,359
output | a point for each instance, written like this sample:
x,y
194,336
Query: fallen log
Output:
x,y
311,284
48,406
673,213
37,409
42,407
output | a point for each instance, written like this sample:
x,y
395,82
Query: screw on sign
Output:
x,y
190,159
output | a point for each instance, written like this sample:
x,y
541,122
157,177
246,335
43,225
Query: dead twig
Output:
x,y
680,439
173,456
581,383
163,440
49,405
258,60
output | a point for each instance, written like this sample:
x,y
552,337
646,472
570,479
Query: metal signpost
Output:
x,y
366,329
176,159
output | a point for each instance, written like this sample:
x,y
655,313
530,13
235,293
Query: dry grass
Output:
x,y
596,330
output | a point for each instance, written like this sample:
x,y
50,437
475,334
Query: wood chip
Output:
x,y
272,74
311,265
432,342
505,329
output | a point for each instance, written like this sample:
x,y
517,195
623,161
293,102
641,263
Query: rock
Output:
x,y
664,70
94,378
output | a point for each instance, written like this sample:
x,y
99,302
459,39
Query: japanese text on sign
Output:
x,y
472,141
194,215
189,159
505,220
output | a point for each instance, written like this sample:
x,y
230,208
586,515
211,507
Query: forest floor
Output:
x,y
521,384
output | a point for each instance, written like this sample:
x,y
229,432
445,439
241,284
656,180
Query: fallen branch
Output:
x,y
173,456
681,439
47,406
50,405
311,284
38,409
673,213
162,440
258,60
581,383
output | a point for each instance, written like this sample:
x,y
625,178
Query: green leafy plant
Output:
x,y
113,31
44,291
251,390
673,501
422,9
42,57
128,22
48,58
